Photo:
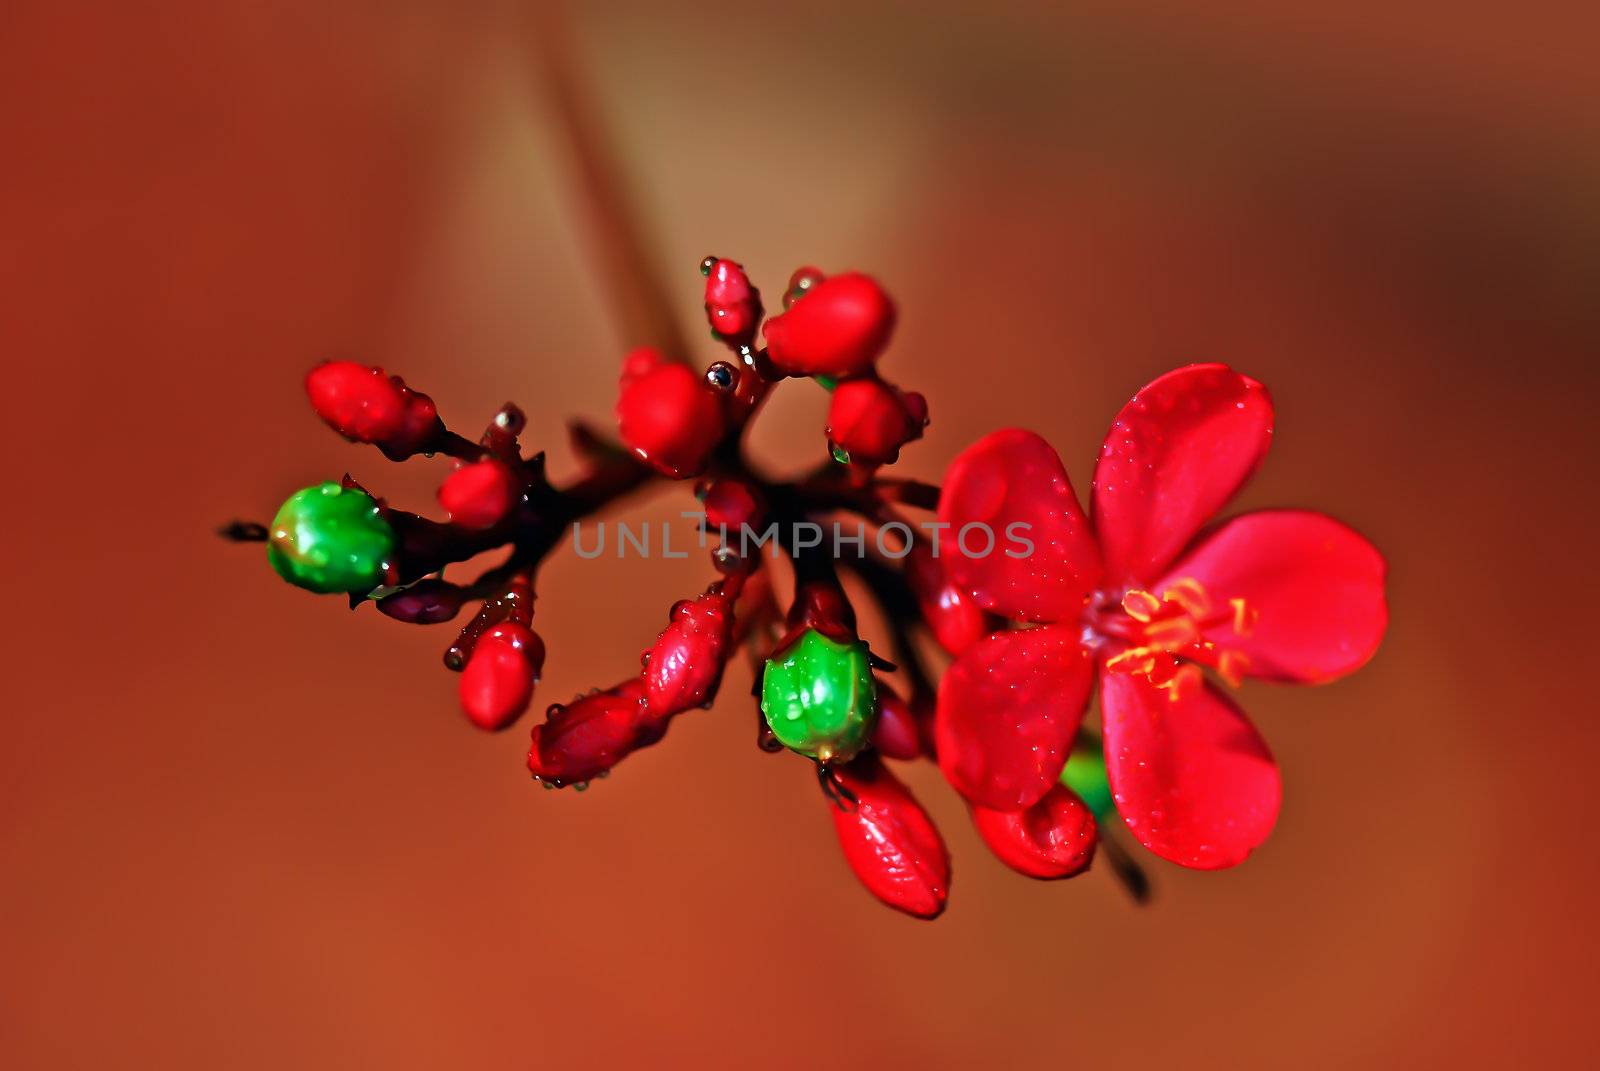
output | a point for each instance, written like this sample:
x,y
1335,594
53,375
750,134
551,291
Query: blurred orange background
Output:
x,y
242,827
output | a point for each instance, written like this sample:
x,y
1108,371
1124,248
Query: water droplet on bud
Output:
x,y
801,281
722,376
510,419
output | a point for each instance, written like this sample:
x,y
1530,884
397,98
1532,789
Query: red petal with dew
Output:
x,y
1175,454
1010,486
1312,590
1008,711
1191,777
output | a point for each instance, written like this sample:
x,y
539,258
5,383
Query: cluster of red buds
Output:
x,y
1139,594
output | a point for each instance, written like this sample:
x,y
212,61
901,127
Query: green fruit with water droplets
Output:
x,y
330,538
819,698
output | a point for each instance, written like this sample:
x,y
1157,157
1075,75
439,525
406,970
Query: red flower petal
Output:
x,y
1054,838
1013,478
1314,606
1191,777
1008,710
890,842
1175,454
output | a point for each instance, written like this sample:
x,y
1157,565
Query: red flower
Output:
x,y
1284,595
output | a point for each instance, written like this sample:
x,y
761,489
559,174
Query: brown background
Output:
x,y
242,827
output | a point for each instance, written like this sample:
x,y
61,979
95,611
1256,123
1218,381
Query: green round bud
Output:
x,y
1085,775
819,699
331,538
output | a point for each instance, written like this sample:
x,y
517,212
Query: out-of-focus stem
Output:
x,y
632,286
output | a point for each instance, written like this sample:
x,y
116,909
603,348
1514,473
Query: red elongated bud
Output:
x,y
896,735
669,417
498,680
583,740
366,405
733,306
956,621
361,403
837,329
1055,838
732,504
480,495
684,667
870,420
427,602
889,840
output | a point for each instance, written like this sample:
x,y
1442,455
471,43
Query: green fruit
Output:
x,y
819,699
331,538
1085,775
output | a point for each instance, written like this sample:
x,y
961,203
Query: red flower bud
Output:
x,y
480,495
578,743
498,680
639,362
955,620
1055,838
871,420
427,602
732,504
896,735
733,306
684,667
668,416
890,842
366,405
838,329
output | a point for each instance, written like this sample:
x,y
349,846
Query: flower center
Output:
x,y
1164,638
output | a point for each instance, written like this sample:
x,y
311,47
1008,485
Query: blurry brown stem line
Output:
x,y
633,288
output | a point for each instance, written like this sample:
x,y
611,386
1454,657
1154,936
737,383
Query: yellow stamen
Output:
x,y
1183,682
1173,627
1140,605
1244,616
1231,666
1189,594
